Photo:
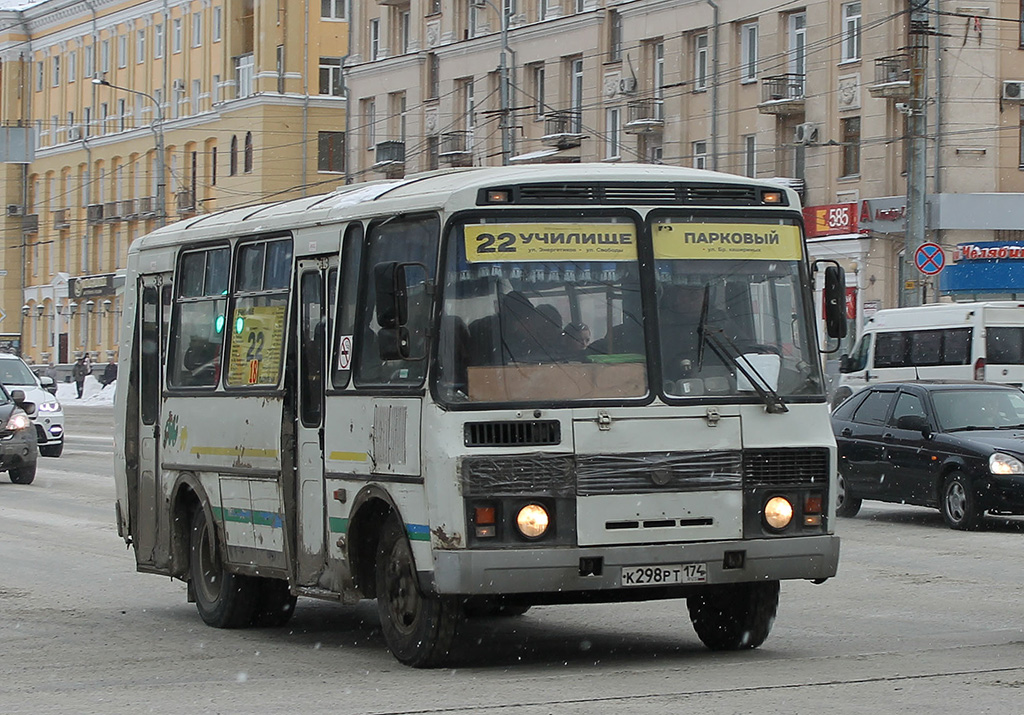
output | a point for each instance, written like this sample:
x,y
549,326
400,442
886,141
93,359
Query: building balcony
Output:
x,y
147,207
94,214
112,211
390,159
456,148
30,223
563,129
782,95
644,116
186,202
892,78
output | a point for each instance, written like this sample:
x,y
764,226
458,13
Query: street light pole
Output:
x,y
157,127
504,91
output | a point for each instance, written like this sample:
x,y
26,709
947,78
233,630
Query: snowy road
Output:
x,y
920,619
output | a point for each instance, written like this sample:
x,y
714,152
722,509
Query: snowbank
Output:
x,y
93,394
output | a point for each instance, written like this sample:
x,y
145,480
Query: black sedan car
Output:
x,y
951,445
18,449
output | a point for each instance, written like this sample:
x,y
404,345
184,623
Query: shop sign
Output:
x,y
988,251
87,286
830,220
885,215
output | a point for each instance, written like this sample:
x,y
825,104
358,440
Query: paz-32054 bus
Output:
x,y
475,391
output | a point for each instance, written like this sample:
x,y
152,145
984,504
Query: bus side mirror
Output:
x,y
392,298
835,302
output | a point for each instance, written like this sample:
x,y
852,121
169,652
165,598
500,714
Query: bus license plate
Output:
x,y
665,575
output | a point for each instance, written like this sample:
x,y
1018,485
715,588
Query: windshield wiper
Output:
x,y
728,352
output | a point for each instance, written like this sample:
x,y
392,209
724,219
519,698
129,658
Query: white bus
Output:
x,y
471,392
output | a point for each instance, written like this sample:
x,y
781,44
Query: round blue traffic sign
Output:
x,y
929,258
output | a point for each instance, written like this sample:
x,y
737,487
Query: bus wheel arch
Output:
x,y
187,496
371,509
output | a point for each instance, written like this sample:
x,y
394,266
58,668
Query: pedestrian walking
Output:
x,y
83,366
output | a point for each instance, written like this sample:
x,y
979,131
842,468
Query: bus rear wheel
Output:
x,y
223,599
735,616
419,628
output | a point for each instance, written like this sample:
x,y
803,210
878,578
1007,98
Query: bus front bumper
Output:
x,y
596,569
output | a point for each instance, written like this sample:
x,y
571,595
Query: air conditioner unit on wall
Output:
x,y
74,134
627,85
15,210
1013,90
806,133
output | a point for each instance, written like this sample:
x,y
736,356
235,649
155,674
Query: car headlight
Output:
x,y
18,420
52,406
1000,463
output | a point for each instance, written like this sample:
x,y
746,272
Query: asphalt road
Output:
x,y
920,619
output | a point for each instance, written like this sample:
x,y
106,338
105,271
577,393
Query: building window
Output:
x,y
433,76
122,115
176,35
330,151
851,31
540,108
122,50
614,36
56,71
218,21
40,73
333,9
330,76
374,39
404,31
248,153
659,79
700,155
851,146
72,66
471,18
749,155
233,158
105,56
197,93
140,46
158,41
576,95
798,49
613,129
748,36
197,29
280,71
700,60
213,166
370,122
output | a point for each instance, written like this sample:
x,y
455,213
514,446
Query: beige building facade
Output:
x,y
815,94
245,98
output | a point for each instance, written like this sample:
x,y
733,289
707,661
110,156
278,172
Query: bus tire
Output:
x,y
734,616
223,599
958,504
418,628
275,603
846,503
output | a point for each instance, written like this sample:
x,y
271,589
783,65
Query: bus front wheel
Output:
x,y
735,616
223,599
419,628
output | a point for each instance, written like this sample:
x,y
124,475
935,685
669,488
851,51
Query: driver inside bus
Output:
x,y
679,319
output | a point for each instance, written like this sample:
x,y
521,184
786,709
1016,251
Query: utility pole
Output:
x,y
917,129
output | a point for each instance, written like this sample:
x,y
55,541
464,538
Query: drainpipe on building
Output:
x,y
714,84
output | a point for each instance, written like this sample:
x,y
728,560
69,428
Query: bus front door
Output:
x,y
316,280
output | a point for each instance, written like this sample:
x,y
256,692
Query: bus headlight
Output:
x,y
778,512
532,521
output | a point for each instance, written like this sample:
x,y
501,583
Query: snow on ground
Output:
x,y
93,394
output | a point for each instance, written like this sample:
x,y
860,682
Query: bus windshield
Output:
x,y
730,312
542,310
551,311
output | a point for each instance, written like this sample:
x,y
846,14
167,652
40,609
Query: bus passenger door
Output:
x,y
146,518
316,278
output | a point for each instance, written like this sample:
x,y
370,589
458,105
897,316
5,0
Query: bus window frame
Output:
x,y
334,386
261,390
509,213
174,327
362,319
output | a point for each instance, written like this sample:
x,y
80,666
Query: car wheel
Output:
x,y
23,474
52,450
223,599
846,503
736,616
275,603
959,507
419,628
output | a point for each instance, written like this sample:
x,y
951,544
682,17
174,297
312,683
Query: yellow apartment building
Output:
x,y
812,93
244,98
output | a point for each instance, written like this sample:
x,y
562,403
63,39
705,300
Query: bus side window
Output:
x,y
348,292
405,240
197,323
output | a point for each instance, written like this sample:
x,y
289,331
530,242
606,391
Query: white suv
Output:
x,y
49,416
